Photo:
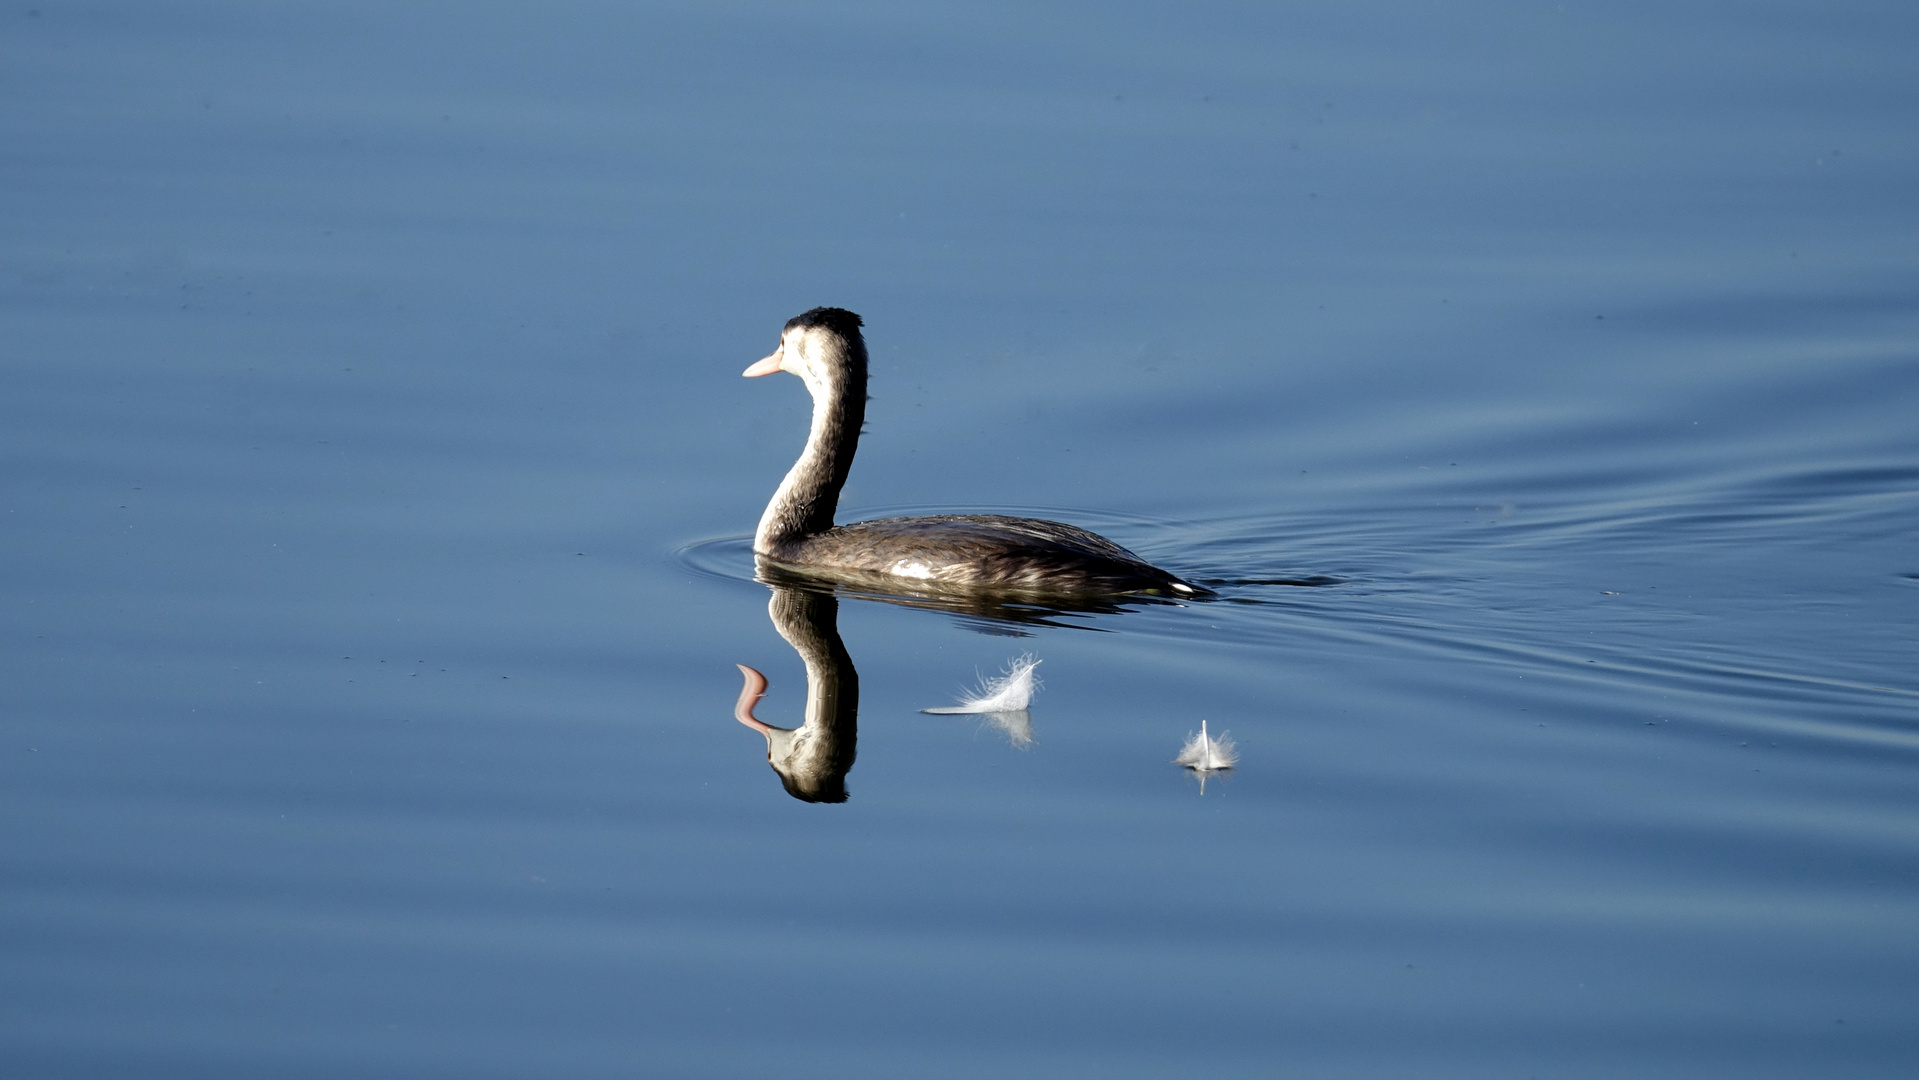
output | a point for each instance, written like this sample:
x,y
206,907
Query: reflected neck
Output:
x,y
804,504
814,758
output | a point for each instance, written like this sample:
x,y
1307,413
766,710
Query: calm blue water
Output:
x,y
374,463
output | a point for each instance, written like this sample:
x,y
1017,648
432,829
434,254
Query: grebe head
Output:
x,y
817,345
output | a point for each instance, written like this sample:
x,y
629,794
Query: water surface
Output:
x,y
375,466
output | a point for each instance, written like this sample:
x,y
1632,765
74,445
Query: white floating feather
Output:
x,y
1008,693
1205,754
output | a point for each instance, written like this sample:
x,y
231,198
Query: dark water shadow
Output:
x,y
999,614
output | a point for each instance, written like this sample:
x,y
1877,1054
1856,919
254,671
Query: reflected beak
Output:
x,y
765,367
755,687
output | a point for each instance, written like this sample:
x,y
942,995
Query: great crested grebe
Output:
x,y
963,552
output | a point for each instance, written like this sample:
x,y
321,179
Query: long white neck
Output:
x,y
804,504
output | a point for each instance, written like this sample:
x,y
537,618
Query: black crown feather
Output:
x,y
839,320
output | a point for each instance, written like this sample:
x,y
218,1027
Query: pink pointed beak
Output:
x,y
751,692
765,367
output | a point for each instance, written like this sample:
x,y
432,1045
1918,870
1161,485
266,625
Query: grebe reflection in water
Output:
x,y
813,759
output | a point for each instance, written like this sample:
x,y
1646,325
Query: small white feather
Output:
x,y
1205,754
1008,693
